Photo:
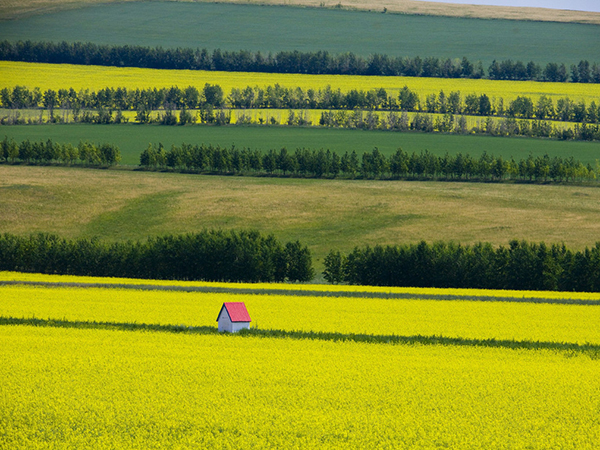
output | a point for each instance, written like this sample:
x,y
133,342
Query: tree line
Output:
x,y
357,119
212,97
371,165
318,62
305,162
520,265
447,123
49,152
248,256
209,255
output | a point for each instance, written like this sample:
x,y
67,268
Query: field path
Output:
x,y
303,293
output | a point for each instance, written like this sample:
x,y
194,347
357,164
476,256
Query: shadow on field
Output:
x,y
566,348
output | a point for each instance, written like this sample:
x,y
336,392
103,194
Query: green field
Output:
x,y
323,214
272,29
132,139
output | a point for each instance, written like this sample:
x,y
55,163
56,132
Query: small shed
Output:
x,y
233,317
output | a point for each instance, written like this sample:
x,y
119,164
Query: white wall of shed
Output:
x,y
225,324
237,326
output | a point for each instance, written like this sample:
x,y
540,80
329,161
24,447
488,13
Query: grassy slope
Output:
x,y
11,9
183,24
133,139
324,214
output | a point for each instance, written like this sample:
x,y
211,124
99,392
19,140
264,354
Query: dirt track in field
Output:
x,y
304,293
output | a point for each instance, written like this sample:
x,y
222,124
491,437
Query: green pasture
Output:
x,y
275,28
323,214
132,139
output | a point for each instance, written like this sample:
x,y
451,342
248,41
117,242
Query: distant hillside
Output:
x,y
10,9
234,27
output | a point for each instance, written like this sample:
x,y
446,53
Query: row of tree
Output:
x,y
210,255
320,62
516,70
49,152
447,123
305,162
357,119
248,256
520,265
280,97
325,163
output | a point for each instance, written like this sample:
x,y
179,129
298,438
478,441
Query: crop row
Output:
x,y
316,290
474,321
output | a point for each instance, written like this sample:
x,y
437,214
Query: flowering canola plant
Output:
x,y
65,76
75,382
350,315
67,388
470,293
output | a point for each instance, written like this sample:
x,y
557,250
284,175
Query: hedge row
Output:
x,y
51,152
210,255
320,62
280,97
521,265
325,163
247,256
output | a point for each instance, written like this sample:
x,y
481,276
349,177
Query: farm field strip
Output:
x,y
106,389
132,139
273,29
293,289
118,205
280,116
438,294
65,76
470,320
16,9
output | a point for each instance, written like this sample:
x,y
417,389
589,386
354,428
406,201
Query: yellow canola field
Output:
x,y
100,389
121,389
470,293
65,76
471,320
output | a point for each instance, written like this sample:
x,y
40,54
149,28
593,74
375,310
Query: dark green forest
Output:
x,y
520,265
210,255
247,256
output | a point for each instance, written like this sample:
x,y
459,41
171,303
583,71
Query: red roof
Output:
x,y
237,312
